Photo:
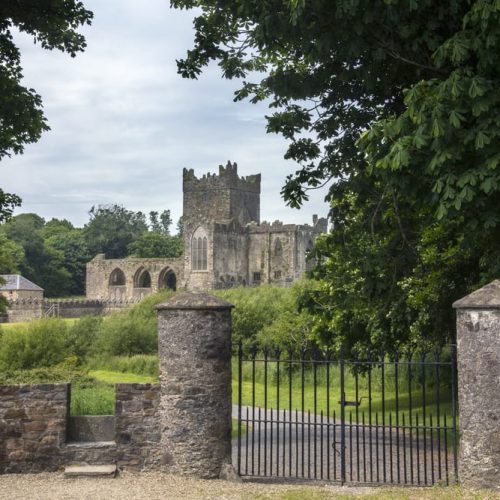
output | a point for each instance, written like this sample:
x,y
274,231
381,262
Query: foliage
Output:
x,y
42,343
53,25
51,375
397,104
133,331
160,224
155,244
54,253
112,228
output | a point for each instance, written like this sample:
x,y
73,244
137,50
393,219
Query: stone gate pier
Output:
x,y
478,351
194,347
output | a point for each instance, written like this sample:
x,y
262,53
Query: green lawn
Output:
x,y
23,324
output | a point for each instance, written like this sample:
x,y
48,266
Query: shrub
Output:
x,y
41,343
82,337
133,331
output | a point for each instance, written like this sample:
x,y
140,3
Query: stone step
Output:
x,y
90,471
94,452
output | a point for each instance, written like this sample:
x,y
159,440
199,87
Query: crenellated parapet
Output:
x,y
227,178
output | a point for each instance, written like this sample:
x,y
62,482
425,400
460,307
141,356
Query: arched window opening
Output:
x,y
167,280
142,279
278,248
199,250
145,280
117,278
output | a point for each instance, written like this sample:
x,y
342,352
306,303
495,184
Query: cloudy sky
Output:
x,y
124,123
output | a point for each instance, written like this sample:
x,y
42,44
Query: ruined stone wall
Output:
x,y
230,255
99,271
33,427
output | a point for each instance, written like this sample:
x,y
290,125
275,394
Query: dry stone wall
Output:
x,y
32,427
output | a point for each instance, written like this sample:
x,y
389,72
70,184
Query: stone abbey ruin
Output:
x,y
225,244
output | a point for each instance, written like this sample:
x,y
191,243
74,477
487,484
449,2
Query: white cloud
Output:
x,y
124,123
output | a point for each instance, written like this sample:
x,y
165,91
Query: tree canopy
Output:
x,y
53,24
395,103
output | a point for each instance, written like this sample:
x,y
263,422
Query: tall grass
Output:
x,y
140,364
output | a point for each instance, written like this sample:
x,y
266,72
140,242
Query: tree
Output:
x,y
162,224
112,228
396,104
153,244
11,255
53,25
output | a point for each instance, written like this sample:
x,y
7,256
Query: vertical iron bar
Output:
x,y
390,448
446,451
278,414
296,443
383,415
418,449
271,444
290,376
265,411
328,416
253,411
309,444
364,447
432,449
342,418
350,445
396,381
376,447
370,366
321,444
424,418
258,444
404,451
334,446
246,444
315,396
303,411
454,408
240,371
438,412
410,417
356,382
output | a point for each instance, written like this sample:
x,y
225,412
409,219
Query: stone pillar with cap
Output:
x,y
478,356
194,341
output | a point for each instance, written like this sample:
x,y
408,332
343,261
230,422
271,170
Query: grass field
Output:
x,y
23,324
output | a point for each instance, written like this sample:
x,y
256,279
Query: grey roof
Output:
x,y
17,282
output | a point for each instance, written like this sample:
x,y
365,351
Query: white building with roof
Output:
x,y
15,286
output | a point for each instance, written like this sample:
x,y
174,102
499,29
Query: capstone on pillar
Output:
x,y
194,340
478,355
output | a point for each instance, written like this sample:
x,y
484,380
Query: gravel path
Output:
x,y
151,486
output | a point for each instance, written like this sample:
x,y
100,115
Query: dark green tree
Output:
x,y
112,228
153,244
53,24
396,104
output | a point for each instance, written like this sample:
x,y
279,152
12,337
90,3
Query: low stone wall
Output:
x,y
137,426
33,427
36,435
29,309
24,310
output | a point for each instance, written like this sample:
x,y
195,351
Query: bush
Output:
x,y
133,331
41,343
82,337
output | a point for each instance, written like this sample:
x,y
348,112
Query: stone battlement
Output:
x,y
226,178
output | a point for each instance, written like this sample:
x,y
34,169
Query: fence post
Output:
x,y
194,344
478,353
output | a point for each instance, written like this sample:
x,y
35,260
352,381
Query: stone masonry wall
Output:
x,y
137,426
32,427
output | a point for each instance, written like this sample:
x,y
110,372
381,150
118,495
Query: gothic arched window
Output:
x,y
199,250
278,248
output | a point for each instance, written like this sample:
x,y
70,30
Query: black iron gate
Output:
x,y
378,418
